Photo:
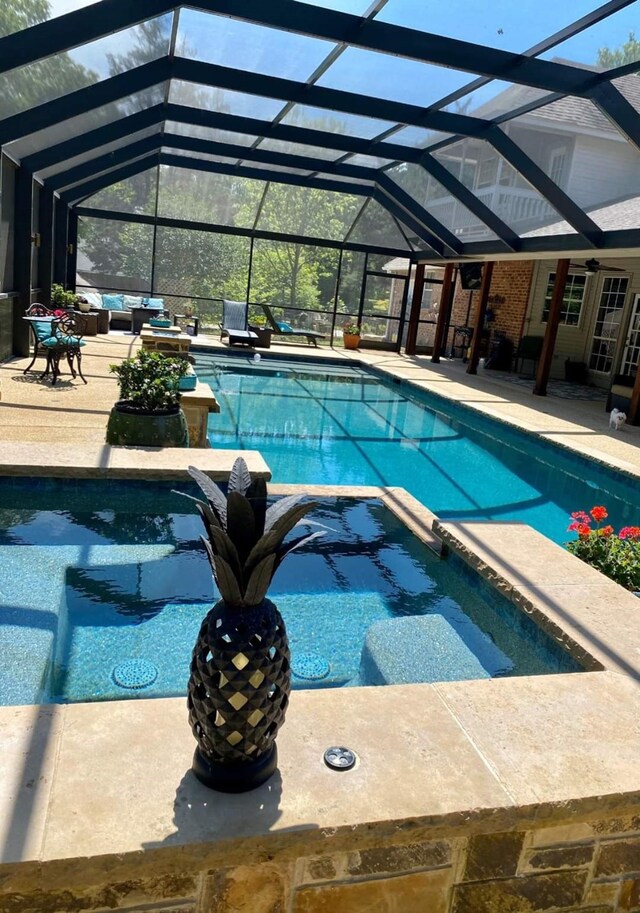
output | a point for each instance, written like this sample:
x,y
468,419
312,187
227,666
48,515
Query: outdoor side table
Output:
x,y
103,319
264,337
91,321
163,340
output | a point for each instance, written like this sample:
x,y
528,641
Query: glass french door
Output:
x,y
631,354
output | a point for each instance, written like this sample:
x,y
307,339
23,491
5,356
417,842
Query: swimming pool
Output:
x,y
333,424
99,573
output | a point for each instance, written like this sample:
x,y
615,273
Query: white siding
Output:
x,y
603,171
575,342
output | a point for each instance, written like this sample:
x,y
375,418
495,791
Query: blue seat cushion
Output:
x,y
284,327
42,329
113,302
54,341
155,303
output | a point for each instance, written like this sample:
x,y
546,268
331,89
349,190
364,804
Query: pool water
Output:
x,y
97,574
327,424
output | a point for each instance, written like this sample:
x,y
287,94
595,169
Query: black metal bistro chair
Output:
x,y
40,318
65,341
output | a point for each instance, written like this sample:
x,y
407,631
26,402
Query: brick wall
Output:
x,y
512,281
576,865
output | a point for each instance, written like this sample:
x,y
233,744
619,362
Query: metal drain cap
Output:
x,y
135,673
310,666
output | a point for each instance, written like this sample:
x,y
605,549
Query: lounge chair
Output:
x,y
234,326
278,328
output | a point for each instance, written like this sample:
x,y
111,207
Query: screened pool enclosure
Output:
x,y
307,154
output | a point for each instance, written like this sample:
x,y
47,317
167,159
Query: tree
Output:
x,y
629,52
43,80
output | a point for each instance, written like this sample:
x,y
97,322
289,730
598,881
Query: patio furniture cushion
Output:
x,y
132,301
284,327
113,302
42,329
53,341
156,303
94,299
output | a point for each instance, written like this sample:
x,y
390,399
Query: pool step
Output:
x,y
427,648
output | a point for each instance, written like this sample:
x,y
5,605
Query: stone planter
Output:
x,y
351,341
128,426
238,694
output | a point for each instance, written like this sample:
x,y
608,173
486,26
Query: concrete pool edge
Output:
x,y
451,762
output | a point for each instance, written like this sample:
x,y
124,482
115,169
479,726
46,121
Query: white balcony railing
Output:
x,y
520,208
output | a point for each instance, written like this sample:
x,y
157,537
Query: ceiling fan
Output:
x,y
591,267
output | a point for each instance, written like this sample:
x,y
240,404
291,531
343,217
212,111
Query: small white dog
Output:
x,y
617,419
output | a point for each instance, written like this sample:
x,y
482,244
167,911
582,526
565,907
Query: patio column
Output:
x,y
443,313
551,333
60,242
45,252
22,259
485,288
416,307
72,251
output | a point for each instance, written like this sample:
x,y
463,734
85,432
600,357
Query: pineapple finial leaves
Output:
x,y
239,478
212,493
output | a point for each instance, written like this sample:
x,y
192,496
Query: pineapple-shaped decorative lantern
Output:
x,y
240,673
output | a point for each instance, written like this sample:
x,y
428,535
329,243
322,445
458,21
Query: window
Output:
x,y
572,300
488,173
607,328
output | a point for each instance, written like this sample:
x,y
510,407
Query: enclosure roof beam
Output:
x,y
468,198
84,100
81,173
94,139
561,202
183,114
620,112
82,26
210,74
214,228
406,202
88,188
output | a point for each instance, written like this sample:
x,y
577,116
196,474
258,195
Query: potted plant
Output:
x,y
351,335
240,674
61,298
148,413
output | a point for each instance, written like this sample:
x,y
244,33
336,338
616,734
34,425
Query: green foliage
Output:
x,y
617,558
351,329
149,380
45,79
615,555
245,540
61,298
629,52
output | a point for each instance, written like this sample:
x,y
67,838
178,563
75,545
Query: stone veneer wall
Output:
x,y
591,865
512,281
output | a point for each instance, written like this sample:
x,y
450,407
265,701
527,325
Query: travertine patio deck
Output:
x,y
33,411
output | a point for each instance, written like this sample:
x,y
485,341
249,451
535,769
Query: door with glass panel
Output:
x,y
631,354
607,326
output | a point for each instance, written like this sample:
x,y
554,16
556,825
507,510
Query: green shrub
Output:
x,y
62,299
149,380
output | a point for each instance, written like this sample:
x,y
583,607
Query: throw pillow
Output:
x,y
132,301
156,303
94,299
113,302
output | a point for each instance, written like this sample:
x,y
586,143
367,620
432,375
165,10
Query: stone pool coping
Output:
x,y
100,461
86,788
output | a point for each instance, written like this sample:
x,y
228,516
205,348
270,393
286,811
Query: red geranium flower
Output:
x,y
606,531
583,530
581,517
629,532
599,513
